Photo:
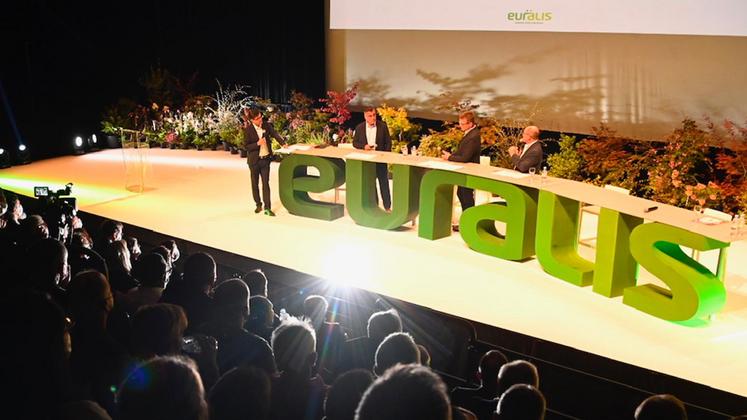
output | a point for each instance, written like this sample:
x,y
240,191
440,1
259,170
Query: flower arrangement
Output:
x,y
435,142
401,129
567,162
226,118
336,104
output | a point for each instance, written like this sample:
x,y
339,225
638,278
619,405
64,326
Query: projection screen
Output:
x,y
639,66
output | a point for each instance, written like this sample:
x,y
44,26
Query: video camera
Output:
x,y
58,211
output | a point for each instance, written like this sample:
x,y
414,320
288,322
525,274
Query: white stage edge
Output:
x,y
205,197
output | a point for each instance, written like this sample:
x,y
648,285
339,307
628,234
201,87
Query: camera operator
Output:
x,y
60,213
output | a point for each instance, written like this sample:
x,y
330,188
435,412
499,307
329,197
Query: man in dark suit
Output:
x,y
467,151
259,155
374,135
531,154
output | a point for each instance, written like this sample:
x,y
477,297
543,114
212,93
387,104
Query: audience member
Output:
x,y
236,346
109,231
241,394
82,256
345,394
157,330
98,361
661,407
193,291
360,352
166,254
521,402
405,392
517,372
425,355
150,272
34,375
261,317
330,337
163,388
487,377
396,348
134,247
83,410
47,269
117,258
295,393
257,282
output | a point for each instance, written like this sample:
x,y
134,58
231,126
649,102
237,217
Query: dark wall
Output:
x,y
63,62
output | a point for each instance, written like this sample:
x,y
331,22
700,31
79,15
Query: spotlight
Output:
x,y
78,148
23,157
4,159
93,143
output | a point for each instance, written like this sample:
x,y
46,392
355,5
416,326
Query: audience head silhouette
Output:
x,y
257,282
157,330
521,402
396,348
294,345
163,388
383,323
661,407
405,392
345,394
242,393
200,272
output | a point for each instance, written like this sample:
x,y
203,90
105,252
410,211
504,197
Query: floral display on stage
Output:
x,y
701,164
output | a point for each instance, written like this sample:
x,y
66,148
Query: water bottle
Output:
x,y
283,315
543,175
414,151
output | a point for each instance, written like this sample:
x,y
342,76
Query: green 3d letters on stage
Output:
x,y
296,184
540,223
362,199
694,291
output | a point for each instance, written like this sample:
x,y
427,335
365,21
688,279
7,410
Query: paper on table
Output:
x,y
441,165
510,174
300,147
294,147
360,156
707,220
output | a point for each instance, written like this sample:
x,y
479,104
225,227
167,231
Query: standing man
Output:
x,y
467,151
531,155
259,155
374,135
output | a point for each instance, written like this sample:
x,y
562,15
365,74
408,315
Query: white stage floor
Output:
x,y
205,197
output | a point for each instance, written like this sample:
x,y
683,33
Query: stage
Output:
x,y
205,197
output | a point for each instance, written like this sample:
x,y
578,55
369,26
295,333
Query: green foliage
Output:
x,y
118,116
680,164
159,85
401,129
610,159
567,162
436,142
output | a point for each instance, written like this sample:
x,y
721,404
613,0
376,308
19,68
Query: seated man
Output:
x,y
419,394
359,352
521,401
531,155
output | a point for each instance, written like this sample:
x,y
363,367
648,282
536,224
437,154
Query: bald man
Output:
x,y
531,154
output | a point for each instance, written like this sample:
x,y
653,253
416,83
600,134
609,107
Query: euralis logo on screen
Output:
x,y
529,16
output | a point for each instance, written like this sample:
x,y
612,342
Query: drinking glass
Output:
x,y
698,209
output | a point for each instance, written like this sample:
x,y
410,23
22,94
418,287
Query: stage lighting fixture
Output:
x,y
93,143
4,159
78,147
24,156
